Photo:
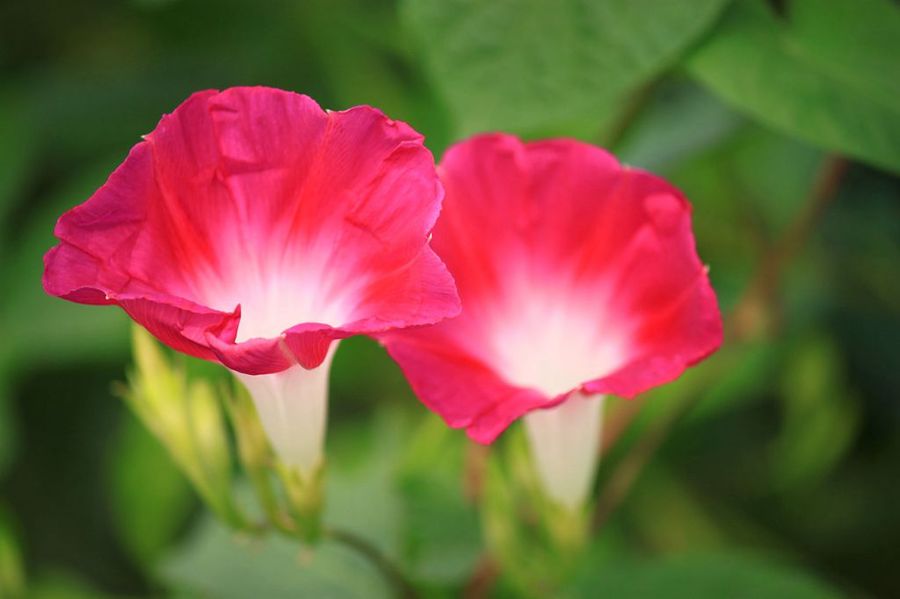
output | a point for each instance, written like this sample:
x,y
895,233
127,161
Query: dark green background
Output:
x,y
788,461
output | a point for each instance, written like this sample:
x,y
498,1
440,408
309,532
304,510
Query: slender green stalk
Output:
x,y
390,571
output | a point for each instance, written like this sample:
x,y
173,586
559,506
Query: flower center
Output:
x,y
554,344
286,303
277,296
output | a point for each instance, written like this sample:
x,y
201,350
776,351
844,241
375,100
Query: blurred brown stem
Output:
x,y
743,323
749,316
618,423
474,470
482,580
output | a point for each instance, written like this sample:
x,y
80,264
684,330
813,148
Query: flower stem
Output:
x,y
390,571
748,316
269,502
305,499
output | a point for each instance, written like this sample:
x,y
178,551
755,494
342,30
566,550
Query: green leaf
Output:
x,y
216,564
371,65
152,499
417,513
360,493
826,73
530,66
680,121
734,576
442,533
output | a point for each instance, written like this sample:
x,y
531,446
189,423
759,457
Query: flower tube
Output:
x,y
254,229
578,278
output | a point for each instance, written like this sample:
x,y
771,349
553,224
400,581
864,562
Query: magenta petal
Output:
x,y
253,228
177,322
466,392
575,273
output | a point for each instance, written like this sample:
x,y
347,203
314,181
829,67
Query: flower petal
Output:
x,y
575,273
464,390
254,228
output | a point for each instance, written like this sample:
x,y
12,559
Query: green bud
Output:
x,y
537,541
295,509
305,500
186,416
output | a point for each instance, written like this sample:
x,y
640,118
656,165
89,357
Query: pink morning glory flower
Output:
x,y
578,278
255,229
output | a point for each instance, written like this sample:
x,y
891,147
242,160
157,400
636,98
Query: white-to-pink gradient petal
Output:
x,y
253,228
577,276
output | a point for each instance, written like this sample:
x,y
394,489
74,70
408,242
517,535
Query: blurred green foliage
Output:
x,y
698,575
779,469
534,66
146,517
824,73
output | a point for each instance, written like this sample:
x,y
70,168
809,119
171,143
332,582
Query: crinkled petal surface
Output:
x,y
575,273
253,228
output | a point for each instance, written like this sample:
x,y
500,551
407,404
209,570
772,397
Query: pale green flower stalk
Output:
x,y
188,416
